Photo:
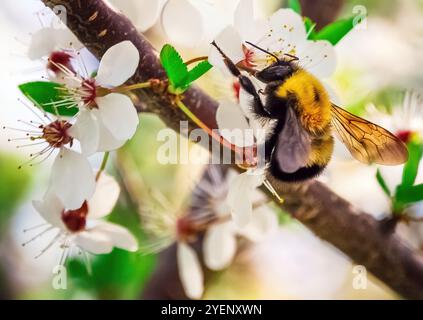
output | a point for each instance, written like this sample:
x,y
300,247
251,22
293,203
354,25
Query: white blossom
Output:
x,y
283,33
107,119
210,214
47,40
220,240
167,227
84,228
54,46
71,174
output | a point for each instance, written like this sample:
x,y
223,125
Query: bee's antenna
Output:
x,y
294,58
265,51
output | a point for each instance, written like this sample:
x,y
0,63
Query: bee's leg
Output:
x,y
248,86
245,83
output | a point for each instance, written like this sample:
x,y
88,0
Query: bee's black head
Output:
x,y
277,71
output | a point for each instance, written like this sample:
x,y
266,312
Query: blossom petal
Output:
x,y
240,196
319,58
190,272
149,14
118,64
50,208
219,246
94,242
244,14
104,198
107,142
86,131
245,23
230,42
143,13
119,236
263,222
41,44
233,125
72,179
183,22
286,34
65,39
289,23
118,114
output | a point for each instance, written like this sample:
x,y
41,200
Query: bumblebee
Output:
x,y
301,144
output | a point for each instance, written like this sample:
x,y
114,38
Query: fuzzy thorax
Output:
x,y
312,100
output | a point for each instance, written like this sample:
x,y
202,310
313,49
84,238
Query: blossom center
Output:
x,y
59,58
89,89
76,220
404,135
56,133
186,230
248,57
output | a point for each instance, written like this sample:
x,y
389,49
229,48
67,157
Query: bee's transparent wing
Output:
x,y
293,145
366,141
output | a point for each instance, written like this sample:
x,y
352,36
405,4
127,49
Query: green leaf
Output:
x,y
43,93
335,31
415,151
382,183
410,194
198,71
295,5
310,26
176,70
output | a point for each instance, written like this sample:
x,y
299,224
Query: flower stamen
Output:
x,y
59,58
56,133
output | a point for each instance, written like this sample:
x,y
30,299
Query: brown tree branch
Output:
x,y
333,219
322,12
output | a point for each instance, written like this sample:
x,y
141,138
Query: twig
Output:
x,y
103,165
